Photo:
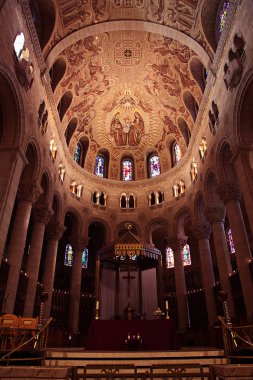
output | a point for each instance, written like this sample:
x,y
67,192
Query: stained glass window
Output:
x,y
77,154
169,258
127,170
186,256
177,153
230,241
85,258
68,259
154,166
100,166
223,16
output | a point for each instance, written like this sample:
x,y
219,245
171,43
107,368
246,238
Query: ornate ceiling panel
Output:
x,y
127,91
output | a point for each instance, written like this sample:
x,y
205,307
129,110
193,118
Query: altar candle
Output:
x,y
97,305
166,305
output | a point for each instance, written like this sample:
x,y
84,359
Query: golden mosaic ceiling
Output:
x,y
129,87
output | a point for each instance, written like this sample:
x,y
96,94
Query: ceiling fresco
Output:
x,y
183,15
128,91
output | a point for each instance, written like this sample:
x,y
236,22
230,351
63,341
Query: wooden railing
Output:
x,y
238,341
23,344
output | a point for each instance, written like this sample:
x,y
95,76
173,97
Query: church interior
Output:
x,y
126,158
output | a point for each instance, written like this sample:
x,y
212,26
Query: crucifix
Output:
x,y
128,278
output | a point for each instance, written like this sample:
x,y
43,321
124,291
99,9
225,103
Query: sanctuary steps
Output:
x,y
142,360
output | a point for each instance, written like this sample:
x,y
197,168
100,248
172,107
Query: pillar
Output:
x,y
215,214
177,244
27,195
54,234
41,216
76,278
12,164
230,194
202,233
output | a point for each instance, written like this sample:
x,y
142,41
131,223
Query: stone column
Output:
x,y
230,194
215,214
54,234
78,246
177,244
27,195
202,233
41,216
12,163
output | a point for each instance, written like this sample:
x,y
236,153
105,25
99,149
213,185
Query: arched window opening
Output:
x,y
19,44
57,72
184,129
198,72
94,197
191,104
127,170
102,199
230,241
160,197
152,199
186,256
177,155
123,201
64,104
154,166
100,166
70,130
78,154
131,201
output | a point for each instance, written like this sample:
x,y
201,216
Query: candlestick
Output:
x,y
97,305
166,305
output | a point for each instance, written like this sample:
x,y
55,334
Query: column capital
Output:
x,y
177,242
201,230
29,191
215,212
55,231
229,191
42,213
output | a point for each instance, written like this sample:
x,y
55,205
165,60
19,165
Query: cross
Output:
x,y
128,278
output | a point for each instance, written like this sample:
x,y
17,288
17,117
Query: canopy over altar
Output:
x,y
127,278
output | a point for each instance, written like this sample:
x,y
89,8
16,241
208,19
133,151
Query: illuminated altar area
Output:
x,y
128,270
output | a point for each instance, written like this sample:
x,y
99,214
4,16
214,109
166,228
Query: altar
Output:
x,y
112,335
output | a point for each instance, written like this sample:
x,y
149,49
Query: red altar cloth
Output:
x,y
110,335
